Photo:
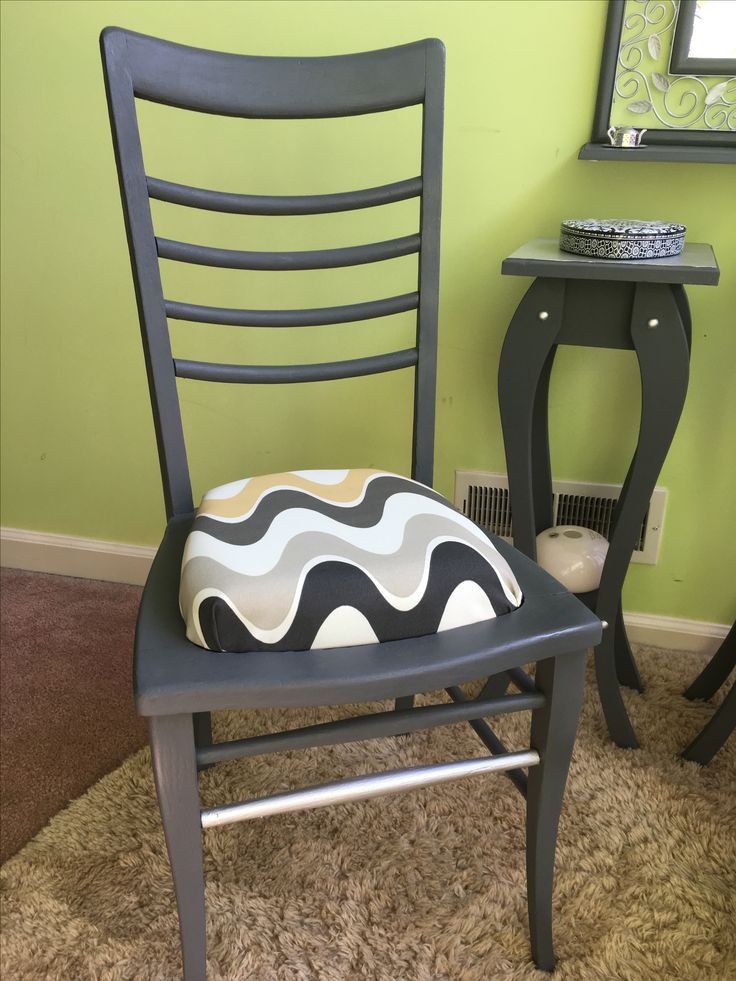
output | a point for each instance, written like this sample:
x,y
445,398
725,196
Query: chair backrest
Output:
x,y
136,66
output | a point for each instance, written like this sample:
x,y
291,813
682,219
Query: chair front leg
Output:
x,y
553,731
175,772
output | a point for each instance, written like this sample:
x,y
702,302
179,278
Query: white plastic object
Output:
x,y
573,555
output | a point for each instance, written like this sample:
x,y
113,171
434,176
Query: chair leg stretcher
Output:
x,y
363,788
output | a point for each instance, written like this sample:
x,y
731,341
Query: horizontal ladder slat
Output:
x,y
287,374
363,788
292,318
262,204
258,87
354,255
374,726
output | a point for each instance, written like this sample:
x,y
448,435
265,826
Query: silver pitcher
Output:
x,y
625,136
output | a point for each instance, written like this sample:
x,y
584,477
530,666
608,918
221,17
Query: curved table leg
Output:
x,y
541,466
704,747
715,733
609,691
626,667
660,341
683,305
627,671
716,670
523,377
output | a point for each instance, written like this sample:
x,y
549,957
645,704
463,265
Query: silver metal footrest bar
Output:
x,y
362,788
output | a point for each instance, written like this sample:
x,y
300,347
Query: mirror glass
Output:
x,y
714,30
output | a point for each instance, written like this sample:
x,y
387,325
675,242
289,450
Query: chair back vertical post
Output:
x,y
146,277
425,385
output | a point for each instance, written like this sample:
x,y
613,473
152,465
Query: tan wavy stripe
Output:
x,y
348,489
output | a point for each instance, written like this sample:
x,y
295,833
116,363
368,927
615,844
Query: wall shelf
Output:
x,y
675,154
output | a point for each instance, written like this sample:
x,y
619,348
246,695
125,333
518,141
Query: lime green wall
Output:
x,y
79,454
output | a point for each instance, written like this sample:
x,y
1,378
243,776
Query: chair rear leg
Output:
x,y
495,686
203,733
175,772
552,735
401,704
202,728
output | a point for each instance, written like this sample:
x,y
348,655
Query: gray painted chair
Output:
x,y
177,684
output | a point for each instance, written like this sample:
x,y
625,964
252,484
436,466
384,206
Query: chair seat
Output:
x,y
173,675
318,559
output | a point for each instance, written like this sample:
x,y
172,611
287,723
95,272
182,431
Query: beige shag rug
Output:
x,y
427,886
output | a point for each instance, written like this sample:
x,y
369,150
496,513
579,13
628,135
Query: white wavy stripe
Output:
x,y
383,538
466,604
225,491
274,634
323,476
202,511
344,627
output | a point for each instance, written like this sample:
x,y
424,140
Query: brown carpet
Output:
x,y
65,701
426,886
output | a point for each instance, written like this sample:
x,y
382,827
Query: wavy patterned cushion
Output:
x,y
334,558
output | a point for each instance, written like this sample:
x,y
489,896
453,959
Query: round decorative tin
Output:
x,y
619,238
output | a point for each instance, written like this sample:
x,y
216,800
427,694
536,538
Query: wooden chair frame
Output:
x,y
178,685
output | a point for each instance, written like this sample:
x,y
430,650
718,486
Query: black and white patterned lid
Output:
x,y
622,227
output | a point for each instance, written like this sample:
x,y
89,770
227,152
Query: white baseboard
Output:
x,y
114,562
83,557
675,633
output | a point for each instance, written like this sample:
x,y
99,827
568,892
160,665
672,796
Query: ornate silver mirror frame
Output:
x,y
694,114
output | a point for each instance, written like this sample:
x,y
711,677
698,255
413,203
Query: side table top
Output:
x,y
543,257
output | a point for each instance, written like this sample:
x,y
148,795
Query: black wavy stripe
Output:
x,y
365,514
333,584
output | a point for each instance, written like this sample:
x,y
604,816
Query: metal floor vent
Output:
x,y
484,497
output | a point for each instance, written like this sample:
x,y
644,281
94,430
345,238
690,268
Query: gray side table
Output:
x,y
639,305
